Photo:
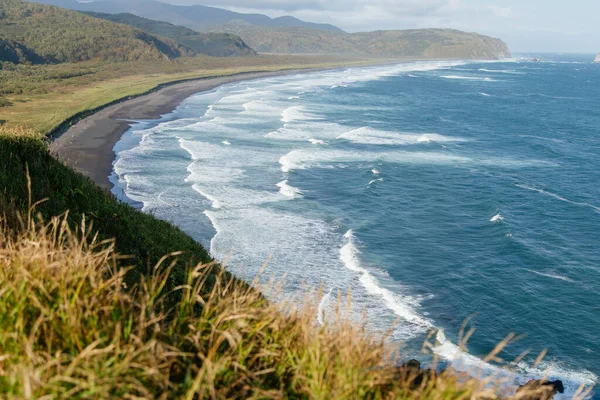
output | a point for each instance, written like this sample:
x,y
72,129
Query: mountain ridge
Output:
x,y
216,44
418,43
195,17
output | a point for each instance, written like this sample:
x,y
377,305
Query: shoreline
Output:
x,y
85,142
87,146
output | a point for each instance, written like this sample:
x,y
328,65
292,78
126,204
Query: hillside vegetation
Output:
x,y
212,44
419,43
37,33
139,235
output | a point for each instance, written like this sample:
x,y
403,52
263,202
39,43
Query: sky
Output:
x,y
526,25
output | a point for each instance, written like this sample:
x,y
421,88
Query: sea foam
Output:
x,y
366,135
349,256
468,78
295,113
287,190
375,181
518,374
557,197
497,218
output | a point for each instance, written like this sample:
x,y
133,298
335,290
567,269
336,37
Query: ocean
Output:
x,y
435,191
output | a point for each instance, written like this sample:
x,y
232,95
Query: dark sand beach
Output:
x,y
88,145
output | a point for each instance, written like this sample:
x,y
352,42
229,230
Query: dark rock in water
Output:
x,y
412,373
412,365
537,60
537,389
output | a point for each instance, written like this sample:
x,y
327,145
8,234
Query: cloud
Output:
x,y
353,15
394,7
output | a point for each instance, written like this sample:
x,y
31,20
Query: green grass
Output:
x,y
61,189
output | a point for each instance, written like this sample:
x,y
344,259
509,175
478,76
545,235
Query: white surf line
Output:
x,y
459,359
288,190
349,257
557,197
215,203
321,308
553,276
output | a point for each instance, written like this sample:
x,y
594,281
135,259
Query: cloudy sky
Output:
x,y
527,25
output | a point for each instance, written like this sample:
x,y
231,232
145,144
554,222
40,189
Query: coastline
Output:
x,y
85,142
87,146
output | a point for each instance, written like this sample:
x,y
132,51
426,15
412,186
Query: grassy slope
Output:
x,y
58,35
139,235
69,329
212,44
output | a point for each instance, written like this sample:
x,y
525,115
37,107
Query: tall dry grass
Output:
x,y
73,324
70,328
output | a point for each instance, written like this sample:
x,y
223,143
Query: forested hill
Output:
x,y
217,44
35,33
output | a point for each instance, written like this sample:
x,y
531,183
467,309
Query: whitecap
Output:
x,y
468,78
304,131
325,158
349,256
316,141
375,181
226,143
295,113
287,190
367,135
497,218
502,71
485,94
553,276
375,171
557,197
